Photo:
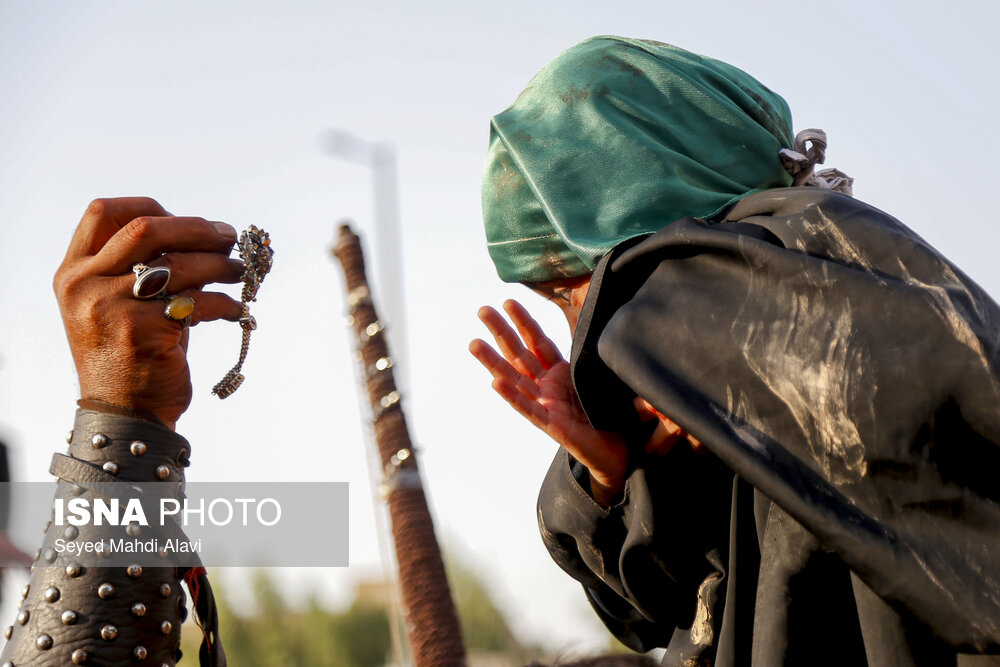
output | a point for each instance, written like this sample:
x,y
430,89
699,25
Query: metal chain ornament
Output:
x,y
257,255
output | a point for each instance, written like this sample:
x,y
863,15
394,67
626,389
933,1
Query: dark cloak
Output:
x,y
845,378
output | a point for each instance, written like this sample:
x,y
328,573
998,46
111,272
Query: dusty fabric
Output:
x,y
845,379
616,138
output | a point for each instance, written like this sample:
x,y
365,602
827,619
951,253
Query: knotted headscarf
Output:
x,y
616,138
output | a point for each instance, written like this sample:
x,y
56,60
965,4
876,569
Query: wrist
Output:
x,y
606,491
97,405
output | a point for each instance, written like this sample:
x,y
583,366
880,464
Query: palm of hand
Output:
x,y
535,380
569,426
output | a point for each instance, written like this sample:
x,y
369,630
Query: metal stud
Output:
x,y
71,532
44,642
99,440
385,403
74,570
69,437
69,617
359,295
105,591
183,458
140,653
48,524
79,657
7,664
25,591
133,571
38,554
162,472
372,330
389,399
23,616
77,490
138,448
133,530
50,555
110,467
166,627
165,590
138,610
8,632
51,594
109,632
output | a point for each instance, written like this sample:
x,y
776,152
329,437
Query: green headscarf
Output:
x,y
616,138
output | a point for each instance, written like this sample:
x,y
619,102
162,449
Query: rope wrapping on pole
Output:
x,y
432,624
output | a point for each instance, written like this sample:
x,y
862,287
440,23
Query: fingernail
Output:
x,y
225,230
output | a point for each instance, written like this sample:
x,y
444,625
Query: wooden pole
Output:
x,y
431,620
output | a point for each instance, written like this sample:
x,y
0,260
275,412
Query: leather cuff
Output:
x,y
73,614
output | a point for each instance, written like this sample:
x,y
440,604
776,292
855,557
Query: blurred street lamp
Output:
x,y
381,159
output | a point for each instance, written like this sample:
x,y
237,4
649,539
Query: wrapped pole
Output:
x,y
431,620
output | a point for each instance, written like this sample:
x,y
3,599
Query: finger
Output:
x,y
147,237
208,306
645,409
104,218
197,269
665,436
500,368
510,344
211,306
188,271
527,408
540,345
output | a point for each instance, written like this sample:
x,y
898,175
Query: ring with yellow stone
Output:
x,y
179,308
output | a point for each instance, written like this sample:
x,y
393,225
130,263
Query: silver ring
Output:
x,y
150,281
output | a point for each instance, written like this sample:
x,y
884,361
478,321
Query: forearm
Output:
x,y
77,611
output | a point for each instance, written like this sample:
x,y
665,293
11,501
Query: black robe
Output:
x,y
845,380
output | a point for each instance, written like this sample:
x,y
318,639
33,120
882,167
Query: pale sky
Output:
x,y
216,109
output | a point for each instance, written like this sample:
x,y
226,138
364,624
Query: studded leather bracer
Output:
x,y
91,614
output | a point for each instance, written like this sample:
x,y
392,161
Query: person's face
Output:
x,y
567,293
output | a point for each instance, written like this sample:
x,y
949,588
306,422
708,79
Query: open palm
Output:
x,y
532,376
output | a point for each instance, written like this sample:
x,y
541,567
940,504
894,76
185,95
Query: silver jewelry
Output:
x,y
257,256
150,281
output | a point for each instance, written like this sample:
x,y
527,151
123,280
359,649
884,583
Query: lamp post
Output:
x,y
380,157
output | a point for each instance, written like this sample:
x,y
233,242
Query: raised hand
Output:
x,y
532,376
127,353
